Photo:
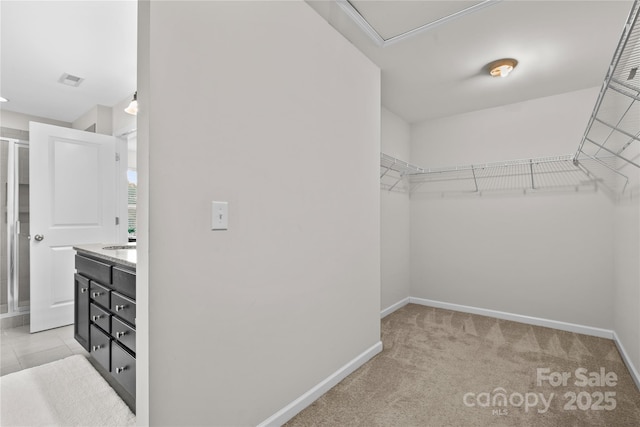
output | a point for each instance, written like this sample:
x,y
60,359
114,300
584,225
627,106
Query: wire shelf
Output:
x,y
526,176
608,156
393,171
610,147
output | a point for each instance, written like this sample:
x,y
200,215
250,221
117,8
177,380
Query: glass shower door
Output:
x,y
4,229
14,227
22,229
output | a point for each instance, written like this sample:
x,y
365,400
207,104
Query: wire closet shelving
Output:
x,y
526,176
608,156
610,147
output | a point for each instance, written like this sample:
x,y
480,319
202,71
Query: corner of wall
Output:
x,y
394,220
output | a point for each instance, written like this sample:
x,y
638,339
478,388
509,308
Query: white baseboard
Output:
x,y
393,307
555,324
289,411
563,326
627,360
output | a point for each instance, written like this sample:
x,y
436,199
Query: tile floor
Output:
x,y
21,350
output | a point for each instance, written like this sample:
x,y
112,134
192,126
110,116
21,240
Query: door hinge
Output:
x,y
117,220
117,157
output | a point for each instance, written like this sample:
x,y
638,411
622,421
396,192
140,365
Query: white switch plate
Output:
x,y
219,215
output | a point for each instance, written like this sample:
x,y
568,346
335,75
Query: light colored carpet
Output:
x,y
68,392
447,368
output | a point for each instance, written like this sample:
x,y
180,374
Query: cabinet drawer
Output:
x,y
101,347
93,269
123,368
124,281
100,317
100,294
123,333
123,307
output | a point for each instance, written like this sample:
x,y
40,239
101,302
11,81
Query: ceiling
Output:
x,y
438,71
441,70
41,40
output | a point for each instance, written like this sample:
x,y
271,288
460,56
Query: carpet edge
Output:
x,y
293,408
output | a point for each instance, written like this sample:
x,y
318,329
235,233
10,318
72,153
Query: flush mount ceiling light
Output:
x,y
133,105
502,67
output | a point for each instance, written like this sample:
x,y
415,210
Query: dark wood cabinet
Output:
x,y
105,318
124,333
123,367
100,294
124,281
123,307
94,269
100,317
81,311
100,347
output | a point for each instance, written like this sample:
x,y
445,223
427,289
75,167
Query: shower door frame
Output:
x,y
13,230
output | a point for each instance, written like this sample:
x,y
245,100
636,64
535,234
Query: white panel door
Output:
x,y
73,200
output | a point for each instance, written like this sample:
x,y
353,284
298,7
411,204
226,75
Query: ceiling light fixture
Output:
x,y
3,99
133,105
502,67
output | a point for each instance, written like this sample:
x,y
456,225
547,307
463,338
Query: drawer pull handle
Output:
x,y
119,370
96,294
83,290
120,307
121,334
96,347
96,317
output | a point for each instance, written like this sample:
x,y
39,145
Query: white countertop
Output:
x,y
127,257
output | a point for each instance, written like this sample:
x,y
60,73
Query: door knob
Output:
x,y
38,237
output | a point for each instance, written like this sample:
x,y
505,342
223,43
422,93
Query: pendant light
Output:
x,y
133,105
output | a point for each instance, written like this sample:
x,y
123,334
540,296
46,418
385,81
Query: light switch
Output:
x,y
219,215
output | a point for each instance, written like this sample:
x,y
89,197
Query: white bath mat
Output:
x,y
68,392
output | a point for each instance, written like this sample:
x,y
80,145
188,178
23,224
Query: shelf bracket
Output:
x,y
396,183
533,186
626,178
385,172
475,181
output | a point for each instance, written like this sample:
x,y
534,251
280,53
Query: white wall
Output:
x,y
284,124
126,124
13,120
98,115
627,265
547,256
395,141
143,121
123,122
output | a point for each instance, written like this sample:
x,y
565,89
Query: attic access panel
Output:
x,y
389,21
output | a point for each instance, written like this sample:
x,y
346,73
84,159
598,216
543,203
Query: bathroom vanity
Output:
x,y
105,312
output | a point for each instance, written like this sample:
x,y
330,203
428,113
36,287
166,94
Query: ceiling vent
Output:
x,y
70,80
